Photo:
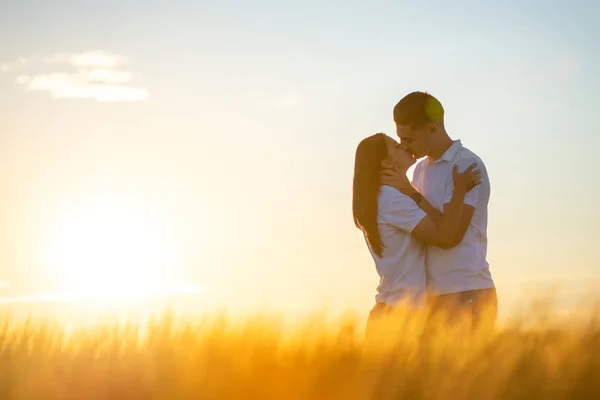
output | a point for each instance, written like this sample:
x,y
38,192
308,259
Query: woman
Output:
x,y
395,227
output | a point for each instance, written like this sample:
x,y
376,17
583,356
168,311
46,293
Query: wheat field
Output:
x,y
170,356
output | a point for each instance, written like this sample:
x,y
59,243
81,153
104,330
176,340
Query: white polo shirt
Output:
x,y
402,265
463,267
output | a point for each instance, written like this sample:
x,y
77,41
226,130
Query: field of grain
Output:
x,y
261,357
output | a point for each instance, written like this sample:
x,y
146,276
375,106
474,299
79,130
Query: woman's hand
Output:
x,y
391,176
467,180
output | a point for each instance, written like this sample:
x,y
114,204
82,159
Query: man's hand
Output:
x,y
391,176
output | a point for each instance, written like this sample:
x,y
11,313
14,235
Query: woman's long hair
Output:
x,y
365,188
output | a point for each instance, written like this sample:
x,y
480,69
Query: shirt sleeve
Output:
x,y
403,213
472,196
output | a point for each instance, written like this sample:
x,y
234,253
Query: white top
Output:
x,y
463,267
402,265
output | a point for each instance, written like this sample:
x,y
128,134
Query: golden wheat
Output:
x,y
261,357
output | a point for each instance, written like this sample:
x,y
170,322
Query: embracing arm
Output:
x,y
465,221
440,229
437,216
430,210
471,199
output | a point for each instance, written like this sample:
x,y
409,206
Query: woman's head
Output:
x,y
372,154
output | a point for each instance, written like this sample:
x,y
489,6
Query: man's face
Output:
x,y
415,139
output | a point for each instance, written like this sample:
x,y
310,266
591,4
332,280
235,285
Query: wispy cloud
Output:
x,y
96,75
22,79
79,86
15,64
109,76
94,58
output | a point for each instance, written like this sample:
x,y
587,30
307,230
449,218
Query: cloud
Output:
x,y
96,75
15,64
94,58
4,284
22,79
79,86
109,76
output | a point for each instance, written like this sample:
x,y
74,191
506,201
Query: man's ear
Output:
x,y
433,129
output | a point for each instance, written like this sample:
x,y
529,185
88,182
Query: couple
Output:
x,y
428,238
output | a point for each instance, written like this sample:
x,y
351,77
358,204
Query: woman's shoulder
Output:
x,y
388,192
390,197
398,209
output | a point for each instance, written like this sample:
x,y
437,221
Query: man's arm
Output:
x,y
446,229
437,217
465,221
404,214
435,214
441,233
470,203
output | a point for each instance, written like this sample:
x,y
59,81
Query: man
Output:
x,y
458,279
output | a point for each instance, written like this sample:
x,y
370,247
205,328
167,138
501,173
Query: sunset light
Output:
x,y
112,247
299,200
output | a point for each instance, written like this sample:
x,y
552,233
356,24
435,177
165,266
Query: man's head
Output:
x,y
419,119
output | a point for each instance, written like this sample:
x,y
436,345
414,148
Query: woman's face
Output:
x,y
397,155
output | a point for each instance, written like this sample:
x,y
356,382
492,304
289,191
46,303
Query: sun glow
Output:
x,y
113,248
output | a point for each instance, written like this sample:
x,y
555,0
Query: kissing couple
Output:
x,y
428,237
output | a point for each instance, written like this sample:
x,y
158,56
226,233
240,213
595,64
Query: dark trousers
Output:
x,y
477,307
391,320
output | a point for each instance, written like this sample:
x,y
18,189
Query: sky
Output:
x,y
216,139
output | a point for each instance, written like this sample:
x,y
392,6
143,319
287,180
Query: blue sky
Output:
x,y
254,112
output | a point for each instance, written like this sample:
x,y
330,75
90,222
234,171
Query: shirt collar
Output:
x,y
450,153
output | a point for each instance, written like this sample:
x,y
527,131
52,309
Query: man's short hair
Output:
x,y
417,109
